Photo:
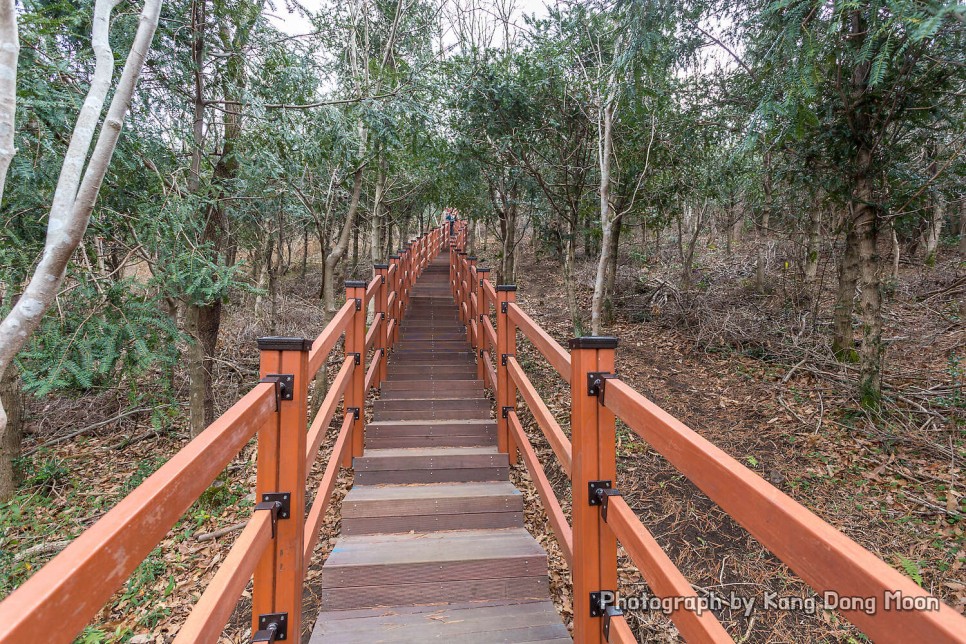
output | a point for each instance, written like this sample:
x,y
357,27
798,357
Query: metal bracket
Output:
x,y
503,307
358,303
271,627
506,411
279,505
356,354
609,612
505,356
596,381
354,410
283,498
593,487
598,607
481,353
603,495
284,386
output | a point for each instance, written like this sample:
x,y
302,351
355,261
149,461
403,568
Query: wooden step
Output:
x,y
468,623
430,465
429,386
424,433
370,509
434,404
366,571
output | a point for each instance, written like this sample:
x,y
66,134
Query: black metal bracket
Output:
x,y
596,381
271,627
506,411
598,605
356,355
279,505
610,612
593,487
481,353
504,307
504,356
603,499
354,411
282,498
284,386
358,303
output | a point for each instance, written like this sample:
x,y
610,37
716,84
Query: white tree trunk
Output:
x,y
77,189
605,144
9,52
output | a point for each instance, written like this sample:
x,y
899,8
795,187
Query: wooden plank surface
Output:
x,y
432,517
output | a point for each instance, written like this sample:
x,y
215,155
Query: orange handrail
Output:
x,y
820,554
555,354
561,529
276,544
545,420
824,557
208,617
62,597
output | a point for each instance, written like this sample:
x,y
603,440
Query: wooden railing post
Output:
x,y
382,319
506,393
482,311
355,347
594,452
281,472
394,288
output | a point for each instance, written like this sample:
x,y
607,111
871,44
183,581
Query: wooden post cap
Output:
x,y
593,342
275,343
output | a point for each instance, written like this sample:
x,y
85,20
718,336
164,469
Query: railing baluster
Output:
x,y
281,470
506,393
355,346
483,310
594,454
382,335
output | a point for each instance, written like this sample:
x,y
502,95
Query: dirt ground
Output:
x,y
891,482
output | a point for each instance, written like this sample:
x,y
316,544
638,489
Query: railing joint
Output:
x,y
279,504
356,356
596,381
271,627
506,411
600,493
504,357
610,612
599,602
284,386
503,307
354,411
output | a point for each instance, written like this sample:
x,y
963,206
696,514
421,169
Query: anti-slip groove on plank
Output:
x,y
478,622
432,517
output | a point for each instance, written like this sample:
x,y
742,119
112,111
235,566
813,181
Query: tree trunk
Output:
x,y
76,192
763,227
812,245
378,218
843,339
570,256
934,228
866,224
962,226
9,53
610,277
605,144
11,430
342,244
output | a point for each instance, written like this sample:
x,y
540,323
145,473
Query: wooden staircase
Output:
x,y
433,544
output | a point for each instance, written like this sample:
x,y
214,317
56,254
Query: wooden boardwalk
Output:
x,y
433,545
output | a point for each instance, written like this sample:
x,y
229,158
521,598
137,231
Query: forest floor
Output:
x,y
727,362
891,481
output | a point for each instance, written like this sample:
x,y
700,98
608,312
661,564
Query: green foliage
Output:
x,y
44,473
103,332
911,569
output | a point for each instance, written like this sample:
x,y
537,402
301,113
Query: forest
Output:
x,y
765,200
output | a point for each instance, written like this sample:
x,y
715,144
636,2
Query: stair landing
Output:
x,y
433,545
